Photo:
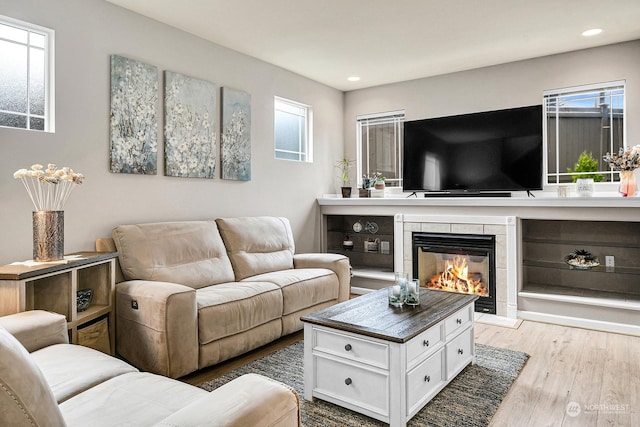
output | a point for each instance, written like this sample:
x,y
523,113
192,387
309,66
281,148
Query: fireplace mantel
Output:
x,y
509,211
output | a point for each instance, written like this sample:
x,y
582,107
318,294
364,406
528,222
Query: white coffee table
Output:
x,y
387,362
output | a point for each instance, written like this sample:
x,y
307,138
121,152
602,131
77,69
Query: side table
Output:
x,y
53,286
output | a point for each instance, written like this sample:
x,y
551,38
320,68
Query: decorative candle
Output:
x,y
396,291
411,287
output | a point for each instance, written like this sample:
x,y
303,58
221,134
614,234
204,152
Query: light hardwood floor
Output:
x,y
598,371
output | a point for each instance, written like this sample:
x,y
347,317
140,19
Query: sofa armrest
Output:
x,y
36,329
250,400
339,264
157,326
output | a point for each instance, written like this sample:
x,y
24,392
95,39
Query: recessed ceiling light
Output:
x,y
353,78
592,32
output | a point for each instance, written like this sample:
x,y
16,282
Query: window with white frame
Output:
x,y
292,134
379,141
26,75
583,123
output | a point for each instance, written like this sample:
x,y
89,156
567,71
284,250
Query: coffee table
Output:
x,y
387,362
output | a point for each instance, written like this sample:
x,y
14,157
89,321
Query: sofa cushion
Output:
x,y
230,308
25,398
71,369
258,244
190,253
302,287
133,399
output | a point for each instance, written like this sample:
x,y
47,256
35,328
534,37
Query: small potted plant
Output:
x,y
345,185
378,181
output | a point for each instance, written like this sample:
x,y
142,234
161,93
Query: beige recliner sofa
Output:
x,y
45,381
196,293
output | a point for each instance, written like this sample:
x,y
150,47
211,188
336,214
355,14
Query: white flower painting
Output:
x,y
236,135
133,122
189,131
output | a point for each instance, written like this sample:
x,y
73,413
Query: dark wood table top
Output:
x,y
371,315
20,271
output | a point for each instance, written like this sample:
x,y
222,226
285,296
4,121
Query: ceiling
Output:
x,y
384,41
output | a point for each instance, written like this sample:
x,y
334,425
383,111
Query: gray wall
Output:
x,y
503,86
87,32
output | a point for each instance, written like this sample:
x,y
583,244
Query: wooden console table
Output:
x,y
53,286
387,362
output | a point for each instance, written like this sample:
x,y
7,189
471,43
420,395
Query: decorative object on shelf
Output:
x,y
563,191
236,135
357,226
189,127
582,259
626,161
83,299
345,178
347,243
379,181
412,296
584,187
371,227
628,186
49,190
371,245
134,122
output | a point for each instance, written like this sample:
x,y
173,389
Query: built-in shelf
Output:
x,y
599,269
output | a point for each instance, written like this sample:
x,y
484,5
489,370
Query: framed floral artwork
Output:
x,y
133,119
236,135
189,127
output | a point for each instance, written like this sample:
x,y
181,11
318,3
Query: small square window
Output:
x,y
292,126
26,73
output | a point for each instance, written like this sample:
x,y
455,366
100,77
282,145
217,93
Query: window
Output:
x,y
292,130
582,125
26,75
379,139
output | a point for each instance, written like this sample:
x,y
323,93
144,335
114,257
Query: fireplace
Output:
x,y
463,263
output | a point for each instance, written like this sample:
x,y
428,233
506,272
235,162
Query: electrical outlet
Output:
x,y
609,261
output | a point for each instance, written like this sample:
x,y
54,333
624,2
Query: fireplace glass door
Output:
x,y
462,263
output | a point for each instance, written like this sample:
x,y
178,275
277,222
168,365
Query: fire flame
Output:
x,y
455,278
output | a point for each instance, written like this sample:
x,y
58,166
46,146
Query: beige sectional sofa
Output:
x,y
196,293
45,381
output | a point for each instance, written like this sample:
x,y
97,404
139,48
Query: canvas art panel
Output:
x,y
133,120
236,135
189,133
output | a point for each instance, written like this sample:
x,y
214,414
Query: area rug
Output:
x,y
471,399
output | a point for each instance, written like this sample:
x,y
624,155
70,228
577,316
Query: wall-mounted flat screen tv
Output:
x,y
492,151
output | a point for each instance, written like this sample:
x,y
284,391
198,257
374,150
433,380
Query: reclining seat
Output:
x,y
262,249
180,308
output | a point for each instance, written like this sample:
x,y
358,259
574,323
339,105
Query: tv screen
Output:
x,y
488,151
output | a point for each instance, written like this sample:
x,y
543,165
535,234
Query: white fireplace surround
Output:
x,y
502,227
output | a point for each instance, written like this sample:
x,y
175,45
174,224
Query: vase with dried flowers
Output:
x,y
49,190
627,160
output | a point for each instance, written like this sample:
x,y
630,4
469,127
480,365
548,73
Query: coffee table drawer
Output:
x,y
357,349
458,320
425,380
348,383
424,343
459,352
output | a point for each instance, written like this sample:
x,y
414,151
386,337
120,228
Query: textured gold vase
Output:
x,y
48,236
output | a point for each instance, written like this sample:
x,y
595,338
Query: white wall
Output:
x,y
87,32
503,86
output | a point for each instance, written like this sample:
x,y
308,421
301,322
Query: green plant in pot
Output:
x,y
586,163
378,181
345,178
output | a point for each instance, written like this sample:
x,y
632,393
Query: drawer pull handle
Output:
x,y
459,321
427,378
460,351
348,347
425,343
348,381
